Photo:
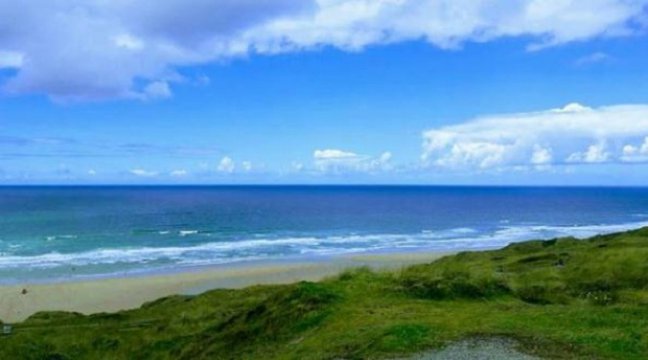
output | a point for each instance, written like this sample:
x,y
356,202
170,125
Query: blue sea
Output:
x,y
56,233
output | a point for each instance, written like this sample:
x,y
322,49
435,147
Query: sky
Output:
x,y
447,92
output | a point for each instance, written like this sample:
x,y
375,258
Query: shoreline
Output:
x,y
131,291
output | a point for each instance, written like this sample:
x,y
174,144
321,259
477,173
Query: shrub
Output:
x,y
451,284
541,294
355,273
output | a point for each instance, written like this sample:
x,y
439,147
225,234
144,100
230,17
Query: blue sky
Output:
x,y
327,92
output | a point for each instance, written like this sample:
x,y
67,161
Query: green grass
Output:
x,y
563,298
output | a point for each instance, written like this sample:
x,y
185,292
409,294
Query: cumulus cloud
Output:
x,y
540,156
596,153
572,134
636,153
79,50
340,161
226,165
246,166
143,173
334,154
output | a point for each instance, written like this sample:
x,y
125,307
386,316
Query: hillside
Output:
x,y
561,298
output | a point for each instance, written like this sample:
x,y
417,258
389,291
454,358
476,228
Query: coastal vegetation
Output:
x,y
561,298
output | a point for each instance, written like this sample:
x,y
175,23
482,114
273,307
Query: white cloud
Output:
x,y
596,153
179,173
354,24
106,49
380,163
574,134
92,172
143,173
11,60
335,160
540,156
597,57
157,90
340,161
128,42
385,157
571,108
636,153
297,166
480,153
333,154
83,50
226,165
630,150
246,166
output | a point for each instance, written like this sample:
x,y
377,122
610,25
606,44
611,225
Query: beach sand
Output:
x,y
17,302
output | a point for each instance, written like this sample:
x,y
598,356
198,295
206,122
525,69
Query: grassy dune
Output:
x,y
562,298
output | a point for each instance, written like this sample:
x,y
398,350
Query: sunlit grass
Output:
x,y
562,298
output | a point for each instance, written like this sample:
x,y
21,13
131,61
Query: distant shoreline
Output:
x,y
60,234
131,291
487,243
503,301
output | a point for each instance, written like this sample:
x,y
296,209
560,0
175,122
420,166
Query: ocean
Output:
x,y
63,233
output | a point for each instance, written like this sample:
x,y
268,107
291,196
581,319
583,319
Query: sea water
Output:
x,y
55,233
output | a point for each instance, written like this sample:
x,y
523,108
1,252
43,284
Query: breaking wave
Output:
x,y
272,248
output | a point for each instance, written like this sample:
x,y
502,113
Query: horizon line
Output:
x,y
331,185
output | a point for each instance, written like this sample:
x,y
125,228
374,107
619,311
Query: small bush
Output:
x,y
541,294
309,295
534,294
48,316
452,284
355,273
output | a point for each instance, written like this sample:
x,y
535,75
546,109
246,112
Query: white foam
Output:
x,y
264,248
464,230
65,236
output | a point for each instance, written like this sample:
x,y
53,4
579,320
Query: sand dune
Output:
x,y
17,302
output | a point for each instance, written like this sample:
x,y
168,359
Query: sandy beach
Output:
x,y
17,302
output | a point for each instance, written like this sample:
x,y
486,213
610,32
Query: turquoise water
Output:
x,y
49,233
